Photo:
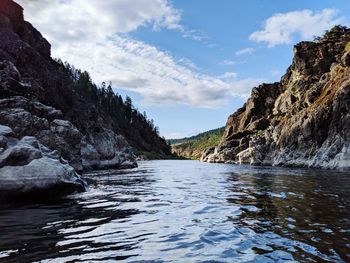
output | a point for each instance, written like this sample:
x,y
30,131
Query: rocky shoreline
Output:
x,y
29,129
301,121
40,146
29,117
54,125
28,166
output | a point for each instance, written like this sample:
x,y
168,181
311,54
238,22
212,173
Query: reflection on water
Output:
x,y
186,211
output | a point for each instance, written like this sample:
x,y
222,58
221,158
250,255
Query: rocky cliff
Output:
x,y
303,120
40,98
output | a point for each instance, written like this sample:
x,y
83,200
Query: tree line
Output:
x,y
122,111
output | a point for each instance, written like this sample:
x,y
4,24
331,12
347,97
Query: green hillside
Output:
x,y
192,147
200,136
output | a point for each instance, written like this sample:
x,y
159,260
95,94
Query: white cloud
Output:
x,y
89,20
284,28
244,51
155,74
229,62
229,76
192,34
91,35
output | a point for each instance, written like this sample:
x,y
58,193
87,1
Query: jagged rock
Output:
x,y
10,79
26,166
11,16
21,154
107,142
346,59
90,156
46,81
35,39
8,71
63,136
39,98
26,116
102,150
107,150
304,120
5,131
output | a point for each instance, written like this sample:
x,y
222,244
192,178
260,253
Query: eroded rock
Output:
x,y
26,166
29,117
304,120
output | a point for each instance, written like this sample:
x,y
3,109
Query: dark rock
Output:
x,y
39,98
5,131
33,37
13,12
100,150
346,59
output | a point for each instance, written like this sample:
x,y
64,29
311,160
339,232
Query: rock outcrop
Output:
x,y
26,166
34,101
29,117
11,14
303,120
53,84
49,130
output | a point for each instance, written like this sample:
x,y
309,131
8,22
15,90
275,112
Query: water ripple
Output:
x,y
186,211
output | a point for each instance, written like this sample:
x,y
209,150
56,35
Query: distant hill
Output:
x,y
196,137
192,147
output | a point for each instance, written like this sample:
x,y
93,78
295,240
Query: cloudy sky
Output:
x,y
188,63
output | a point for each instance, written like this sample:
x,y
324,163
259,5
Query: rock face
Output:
x,y
49,82
26,166
106,150
303,120
12,14
34,101
29,117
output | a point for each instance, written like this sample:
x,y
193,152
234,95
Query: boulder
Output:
x,y
28,167
101,150
5,131
106,150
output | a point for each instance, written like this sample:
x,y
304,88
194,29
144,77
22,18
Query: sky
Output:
x,y
188,63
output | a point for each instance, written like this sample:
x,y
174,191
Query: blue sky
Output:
x,y
187,63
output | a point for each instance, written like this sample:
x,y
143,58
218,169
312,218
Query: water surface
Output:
x,y
187,211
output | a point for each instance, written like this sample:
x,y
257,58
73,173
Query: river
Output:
x,y
187,211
